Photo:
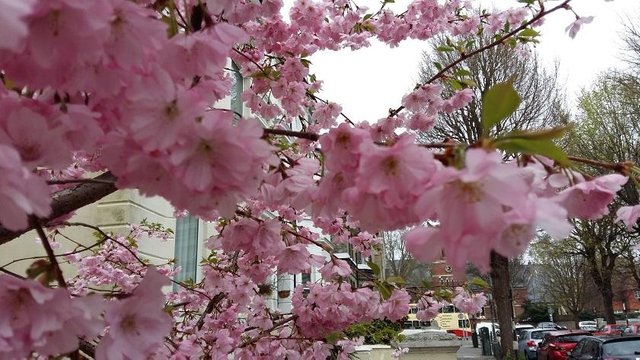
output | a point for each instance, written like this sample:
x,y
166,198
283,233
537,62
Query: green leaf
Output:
x,y
437,65
500,101
445,48
367,17
544,134
462,72
443,294
480,282
333,337
468,82
534,147
528,32
384,289
455,84
374,267
396,280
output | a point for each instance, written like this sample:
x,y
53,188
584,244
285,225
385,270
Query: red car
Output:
x,y
557,344
610,330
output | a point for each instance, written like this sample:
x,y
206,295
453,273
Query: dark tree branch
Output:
x,y
68,200
50,254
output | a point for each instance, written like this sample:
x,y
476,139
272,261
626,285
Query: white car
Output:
x,y
519,328
489,326
588,325
529,340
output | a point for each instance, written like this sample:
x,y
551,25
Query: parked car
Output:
x,y
557,344
519,328
489,326
588,326
550,325
528,342
610,330
594,348
631,330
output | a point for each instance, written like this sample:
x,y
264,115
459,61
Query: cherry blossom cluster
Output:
x,y
51,321
131,87
469,303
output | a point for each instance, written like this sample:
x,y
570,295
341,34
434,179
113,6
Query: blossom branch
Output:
x,y
68,200
80,248
210,306
298,134
50,254
621,167
85,181
464,56
276,325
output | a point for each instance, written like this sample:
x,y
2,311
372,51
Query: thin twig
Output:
x,y
268,331
621,167
80,181
50,254
68,200
210,306
298,134
497,42
8,272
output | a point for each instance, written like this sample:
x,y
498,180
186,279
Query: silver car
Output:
x,y
529,340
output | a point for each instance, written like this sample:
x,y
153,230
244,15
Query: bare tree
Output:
x,y
399,261
608,130
542,99
563,274
602,243
542,105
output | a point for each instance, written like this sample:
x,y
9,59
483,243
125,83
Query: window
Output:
x,y
186,248
237,87
637,294
306,277
578,349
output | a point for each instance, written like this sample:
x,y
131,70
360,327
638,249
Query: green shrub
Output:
x,y
377,332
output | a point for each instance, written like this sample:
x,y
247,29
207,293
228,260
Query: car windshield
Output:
x,y
618,348
538,334
569,338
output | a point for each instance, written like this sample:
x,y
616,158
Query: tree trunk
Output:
x,y
603,283
607,295
501,292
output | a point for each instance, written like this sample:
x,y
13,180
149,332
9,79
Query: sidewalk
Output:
x,y
468,352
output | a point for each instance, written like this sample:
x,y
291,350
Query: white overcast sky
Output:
x,y
369,81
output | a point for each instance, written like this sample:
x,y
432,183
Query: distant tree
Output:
x,y
399,261
608,129
542,105
542,96
534,312
563,274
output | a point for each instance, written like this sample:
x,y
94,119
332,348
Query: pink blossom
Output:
x,y
335,268
576,25
325,114
469,303
397,306
421,122
21,192
12,20
589,199
24,128
294,259
137,324
36,318
458,100
428,307
628,215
